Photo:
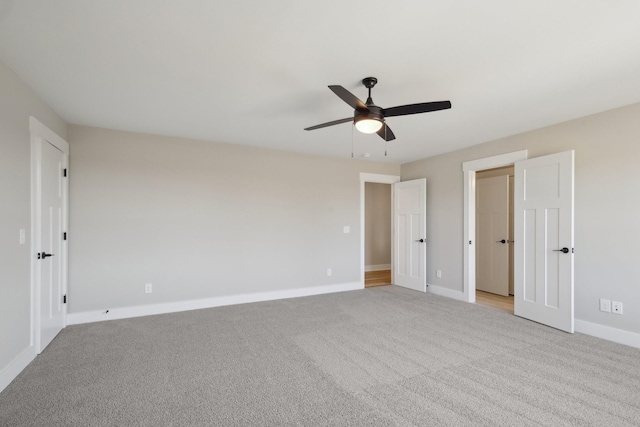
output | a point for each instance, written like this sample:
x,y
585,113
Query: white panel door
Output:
x,y
544,240
492,235
51,292
410,224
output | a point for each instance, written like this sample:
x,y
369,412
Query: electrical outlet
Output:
x,y
148,288
329,272
346,229
439,274
616,307
605,305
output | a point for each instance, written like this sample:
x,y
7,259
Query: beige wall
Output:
x,y
200,219
607,150
17,103
377,224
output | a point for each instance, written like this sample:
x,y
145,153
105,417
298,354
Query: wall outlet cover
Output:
x,y
616,307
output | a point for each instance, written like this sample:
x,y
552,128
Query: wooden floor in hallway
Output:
x,y
377,278
496,301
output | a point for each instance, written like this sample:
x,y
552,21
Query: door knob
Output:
x,y
501,241
563,250
421,240
43,255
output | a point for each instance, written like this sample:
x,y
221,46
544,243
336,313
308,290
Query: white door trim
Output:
x,y
379,179
39,134
469,170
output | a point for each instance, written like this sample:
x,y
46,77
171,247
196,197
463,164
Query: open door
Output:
x,y
543,219
51,315
409,240
49,157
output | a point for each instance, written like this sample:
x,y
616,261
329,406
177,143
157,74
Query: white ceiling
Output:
x,y
255,72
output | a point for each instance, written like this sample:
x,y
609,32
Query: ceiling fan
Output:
x,y
369,118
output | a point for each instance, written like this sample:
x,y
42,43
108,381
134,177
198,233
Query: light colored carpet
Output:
x,y
382,356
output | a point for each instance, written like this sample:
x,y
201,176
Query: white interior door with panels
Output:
x,y
49,172
409,240
492,235
543,220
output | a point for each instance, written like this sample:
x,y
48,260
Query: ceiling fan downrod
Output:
x,y
369,83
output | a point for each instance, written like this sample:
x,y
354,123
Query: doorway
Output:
x,y
388,180
377,234
494,238
470,169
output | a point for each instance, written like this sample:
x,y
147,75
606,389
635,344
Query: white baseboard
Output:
x,y
608,333
377,267
582,326
445,292
11,371
172,307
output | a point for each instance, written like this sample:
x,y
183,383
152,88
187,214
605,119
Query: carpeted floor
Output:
x,y
377,357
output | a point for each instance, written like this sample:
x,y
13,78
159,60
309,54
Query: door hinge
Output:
x,y
64,172
64,236
64,299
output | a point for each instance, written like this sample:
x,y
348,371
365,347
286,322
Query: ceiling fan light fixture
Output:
x,y
369,118
366,124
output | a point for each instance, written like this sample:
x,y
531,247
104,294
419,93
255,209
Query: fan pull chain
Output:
x,y
385,140
352,126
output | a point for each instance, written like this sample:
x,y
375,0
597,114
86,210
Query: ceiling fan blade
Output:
x,y
335,122
424,107
348,97
386,133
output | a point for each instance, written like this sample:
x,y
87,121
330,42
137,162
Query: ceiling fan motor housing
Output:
x,y
374,113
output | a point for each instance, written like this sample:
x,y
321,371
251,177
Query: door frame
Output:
x,y
469,170
378,179
42,134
